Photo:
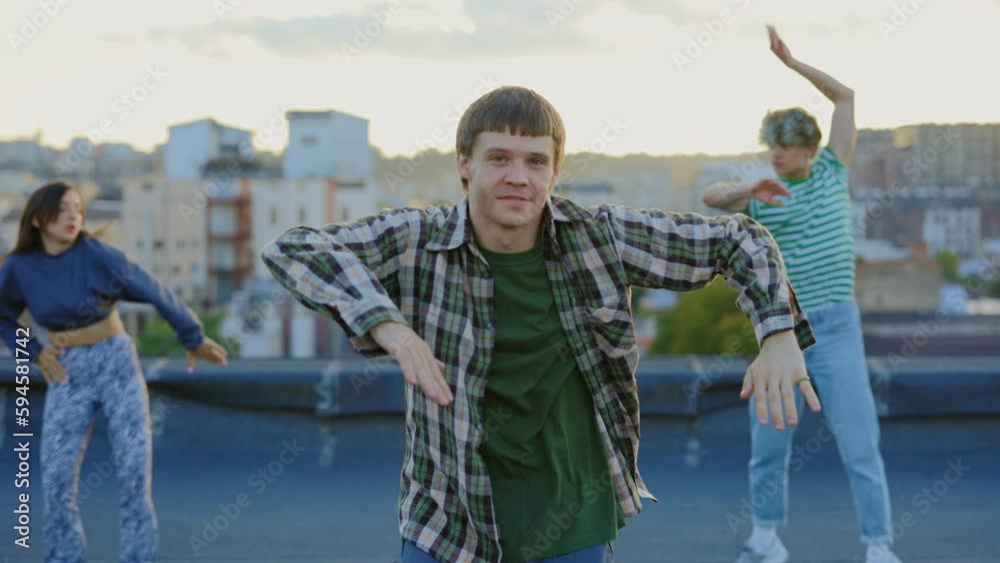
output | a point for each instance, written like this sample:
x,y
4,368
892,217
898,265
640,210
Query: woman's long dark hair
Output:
x,y
44,204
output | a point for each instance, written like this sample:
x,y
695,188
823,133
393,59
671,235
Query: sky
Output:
x,y
628,76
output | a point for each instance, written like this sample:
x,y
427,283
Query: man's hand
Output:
x,y
765,190
415,358
772,378
778,46
50,366
209,350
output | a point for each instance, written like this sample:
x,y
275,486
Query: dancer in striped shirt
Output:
x,y
807,209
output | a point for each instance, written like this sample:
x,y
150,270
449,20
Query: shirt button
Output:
x,y
489,327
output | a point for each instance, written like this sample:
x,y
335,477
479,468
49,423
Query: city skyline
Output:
x,y
240,62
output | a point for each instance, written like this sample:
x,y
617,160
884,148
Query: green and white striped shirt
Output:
x,y
813,230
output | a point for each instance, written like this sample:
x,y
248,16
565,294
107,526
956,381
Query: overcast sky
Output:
x,y
676,76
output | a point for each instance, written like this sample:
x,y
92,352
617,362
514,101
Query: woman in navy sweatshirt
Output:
x,y
71,282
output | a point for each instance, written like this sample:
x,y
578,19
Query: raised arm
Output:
x,y
843,131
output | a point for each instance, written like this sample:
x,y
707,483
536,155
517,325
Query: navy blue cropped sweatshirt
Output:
x,y
79,287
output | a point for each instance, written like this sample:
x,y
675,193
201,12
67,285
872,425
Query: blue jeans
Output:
x,y
596,554
836,364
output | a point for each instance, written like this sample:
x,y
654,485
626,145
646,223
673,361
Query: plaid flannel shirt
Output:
x,y
422,267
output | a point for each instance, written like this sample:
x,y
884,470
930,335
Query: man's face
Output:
x,y
792,161
509,177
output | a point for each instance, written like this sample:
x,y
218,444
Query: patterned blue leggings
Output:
x,y
106,375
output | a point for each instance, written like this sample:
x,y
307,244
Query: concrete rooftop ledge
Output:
x,y
670,386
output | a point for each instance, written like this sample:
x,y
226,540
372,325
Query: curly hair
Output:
x,y
789,127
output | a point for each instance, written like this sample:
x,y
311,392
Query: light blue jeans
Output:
x,y
836,364
596,554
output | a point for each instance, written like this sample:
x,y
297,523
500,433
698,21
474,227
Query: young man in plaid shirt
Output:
x,y
509,316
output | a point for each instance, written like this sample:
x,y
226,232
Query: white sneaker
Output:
x,y
881,555
775,553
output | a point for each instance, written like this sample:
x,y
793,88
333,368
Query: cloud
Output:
x,y
483,29
512,28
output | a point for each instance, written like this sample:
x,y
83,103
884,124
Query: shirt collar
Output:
x,y
456,229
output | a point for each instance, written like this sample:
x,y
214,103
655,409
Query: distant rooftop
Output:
x,y
291,114
210,120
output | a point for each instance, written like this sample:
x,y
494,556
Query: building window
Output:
x,y
302,215
158,243
274,216
309,140
180,244
176,269
148,186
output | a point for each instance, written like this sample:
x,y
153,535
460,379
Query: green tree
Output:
x,y
949,265
993,289
705,321
157,338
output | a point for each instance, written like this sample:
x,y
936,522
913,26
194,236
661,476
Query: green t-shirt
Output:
x,y
552,488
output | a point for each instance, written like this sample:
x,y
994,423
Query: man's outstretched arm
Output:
x,y
843,132
348,272
684,251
